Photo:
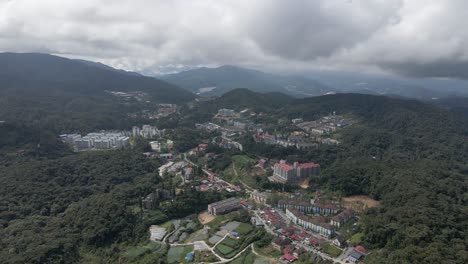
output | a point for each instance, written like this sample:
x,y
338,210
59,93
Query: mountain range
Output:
x,y
70,95
48,74
217,81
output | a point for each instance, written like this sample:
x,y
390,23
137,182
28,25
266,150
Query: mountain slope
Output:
x,y
422,89
48,74
217,81
70,95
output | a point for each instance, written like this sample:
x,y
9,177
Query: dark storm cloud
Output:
x,y
411,37
442,69
306,30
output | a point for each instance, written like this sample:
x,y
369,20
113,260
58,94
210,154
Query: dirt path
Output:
x,y
272,260
205,218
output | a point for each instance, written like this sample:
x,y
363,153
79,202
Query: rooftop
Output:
x,y
284,166
309,165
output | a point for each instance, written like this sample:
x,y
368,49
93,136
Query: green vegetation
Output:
x,y
224,250
331,250
241,216
205,257
244,229
140,252
63,207
241,171
406,154
268,250
168,226
177,254
246,257
228,248
356,239
231,242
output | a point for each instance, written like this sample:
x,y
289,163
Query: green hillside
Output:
x,y
50,91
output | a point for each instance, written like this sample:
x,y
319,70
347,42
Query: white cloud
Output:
x,y
413,37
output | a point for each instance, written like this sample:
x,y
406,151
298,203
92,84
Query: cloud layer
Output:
x,y
409,37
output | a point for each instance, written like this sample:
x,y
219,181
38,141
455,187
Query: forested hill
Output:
x,y
68,95
44,74
409,155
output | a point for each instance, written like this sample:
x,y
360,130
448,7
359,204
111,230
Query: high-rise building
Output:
x,y
285,173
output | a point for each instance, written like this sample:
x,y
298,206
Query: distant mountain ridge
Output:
x,y
70,95
217,81
44,73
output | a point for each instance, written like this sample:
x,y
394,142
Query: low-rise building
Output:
x,y
280,243
259,197
315,223
317,208
226,112
224,206
342,218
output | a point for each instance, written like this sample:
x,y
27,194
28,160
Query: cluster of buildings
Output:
x,y
299,212
224,206
294,174
316,207
147,131
342,218
96,141
208,126
225,113
137,95
273,218
158,146
316,224
166,109
259,197
324,125
152,200
180,168
298,142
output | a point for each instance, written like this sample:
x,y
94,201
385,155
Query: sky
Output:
x,y
412,38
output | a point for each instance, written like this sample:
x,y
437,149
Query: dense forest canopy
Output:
x,y
411,156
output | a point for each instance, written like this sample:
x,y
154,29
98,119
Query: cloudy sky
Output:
x,y
417,38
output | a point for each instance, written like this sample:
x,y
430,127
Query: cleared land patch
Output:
x,y
359,202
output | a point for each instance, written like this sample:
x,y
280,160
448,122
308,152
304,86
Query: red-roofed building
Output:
x,y
361,249
288,250
289,257
201,148
283,172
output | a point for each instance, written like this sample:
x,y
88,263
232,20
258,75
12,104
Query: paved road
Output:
x,y
267,228
203,244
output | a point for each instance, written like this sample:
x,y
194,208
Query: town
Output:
x,y
300,224
322,227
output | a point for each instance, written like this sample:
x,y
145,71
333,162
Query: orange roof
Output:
x,y
361,249
284,166
309,165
